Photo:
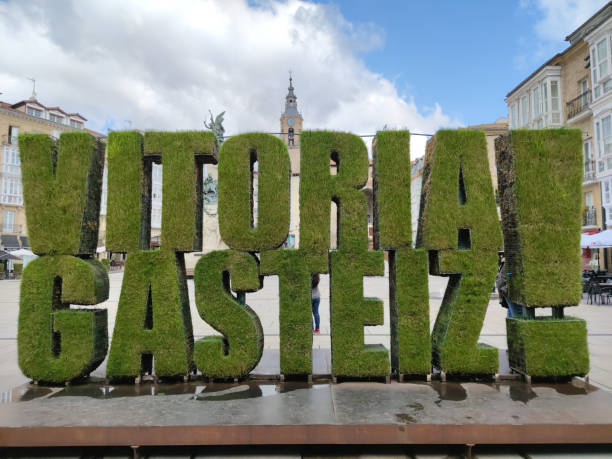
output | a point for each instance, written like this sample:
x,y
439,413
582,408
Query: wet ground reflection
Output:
x,y
210,392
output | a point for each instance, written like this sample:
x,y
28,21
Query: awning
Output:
x,y
22,253
7,256
600,240
10,242
101,249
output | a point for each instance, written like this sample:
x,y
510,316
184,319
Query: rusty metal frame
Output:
x,y
324,434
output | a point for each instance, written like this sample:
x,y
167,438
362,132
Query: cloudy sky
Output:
x,y
358,65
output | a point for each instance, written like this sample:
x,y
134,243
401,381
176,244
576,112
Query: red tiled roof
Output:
x,y
34,101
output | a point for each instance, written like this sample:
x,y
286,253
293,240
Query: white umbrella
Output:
x,y
600,240
101,249
23,253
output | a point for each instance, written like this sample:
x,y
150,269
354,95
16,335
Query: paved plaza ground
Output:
x,y
575,407
265,303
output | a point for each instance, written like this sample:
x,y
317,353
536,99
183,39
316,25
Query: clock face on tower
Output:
x,y
290,121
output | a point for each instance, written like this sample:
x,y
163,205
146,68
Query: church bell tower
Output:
x,y
291,120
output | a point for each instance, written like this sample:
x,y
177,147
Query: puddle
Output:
x,y
404,418
449,391
416,407
521,392
571,388
28,393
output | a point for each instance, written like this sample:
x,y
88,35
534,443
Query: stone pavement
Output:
x,y
265,303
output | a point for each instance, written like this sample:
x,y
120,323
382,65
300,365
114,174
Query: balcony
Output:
x,y
589,171
576,106
8,228
590,217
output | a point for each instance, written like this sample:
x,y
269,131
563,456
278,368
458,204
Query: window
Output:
x,y
536,102
514,116
8,221
607,192
76,124
524,110
588,199
602,58
13,133
584,89
34,112
588,156
56,119
600,68
606,135
554,102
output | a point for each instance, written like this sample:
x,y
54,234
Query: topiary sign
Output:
x,y
459,236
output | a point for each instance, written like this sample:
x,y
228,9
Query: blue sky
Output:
x,y
358,65
465,55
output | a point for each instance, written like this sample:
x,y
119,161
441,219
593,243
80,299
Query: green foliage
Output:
x,y
238,351
106,263
18,268
318,188
128,219
295,309
547,347
409,301
350,312
152,317
236,225
459,226
391,182
62,189
182,156
540,183
461,316
55,343
453,154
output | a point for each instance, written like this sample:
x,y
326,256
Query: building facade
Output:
x,y
573,90
27,116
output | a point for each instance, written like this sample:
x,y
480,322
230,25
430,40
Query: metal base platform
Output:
x,y
288,413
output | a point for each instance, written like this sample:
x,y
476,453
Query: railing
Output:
x,y
15,199
590,217
578,105
11,169
11,228
589,171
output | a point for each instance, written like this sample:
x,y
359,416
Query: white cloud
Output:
x,y
561,17
163,64
556,20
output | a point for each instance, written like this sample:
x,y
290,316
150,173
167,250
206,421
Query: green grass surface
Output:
x,y
239,349
295,310
540,182
350,312
182,155
457,198
409,312
236,224
128,218
318,188
106,263
154,286
547,347
391,183
62,186
49,285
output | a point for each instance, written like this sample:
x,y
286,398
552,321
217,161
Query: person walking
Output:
x,y
315,299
